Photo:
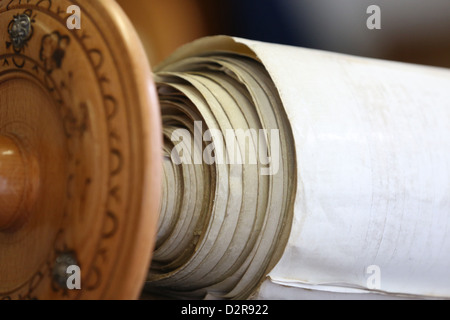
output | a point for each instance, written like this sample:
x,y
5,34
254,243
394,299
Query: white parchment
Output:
x,y
373,153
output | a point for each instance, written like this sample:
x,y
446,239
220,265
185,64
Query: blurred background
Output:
x,y
415,31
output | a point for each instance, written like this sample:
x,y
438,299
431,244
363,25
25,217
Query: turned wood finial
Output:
x,y
19,178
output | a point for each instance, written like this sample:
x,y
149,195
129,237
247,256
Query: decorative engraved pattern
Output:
x,y
53,49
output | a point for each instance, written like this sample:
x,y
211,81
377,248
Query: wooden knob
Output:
x,y
19,178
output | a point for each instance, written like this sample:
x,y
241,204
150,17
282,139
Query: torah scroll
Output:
x,y
350,194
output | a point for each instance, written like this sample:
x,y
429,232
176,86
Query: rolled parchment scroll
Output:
x,y
294,173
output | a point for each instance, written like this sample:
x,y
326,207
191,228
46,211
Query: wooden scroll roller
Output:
x,y
234,170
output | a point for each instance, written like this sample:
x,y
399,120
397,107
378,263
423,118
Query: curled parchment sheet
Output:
x,y
358,204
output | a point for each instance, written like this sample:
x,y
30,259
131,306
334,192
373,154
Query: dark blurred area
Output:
x,y
413,31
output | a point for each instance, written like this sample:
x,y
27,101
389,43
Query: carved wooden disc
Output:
x,y
81,109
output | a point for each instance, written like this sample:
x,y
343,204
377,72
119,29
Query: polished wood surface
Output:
x,y
19,183
80,152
